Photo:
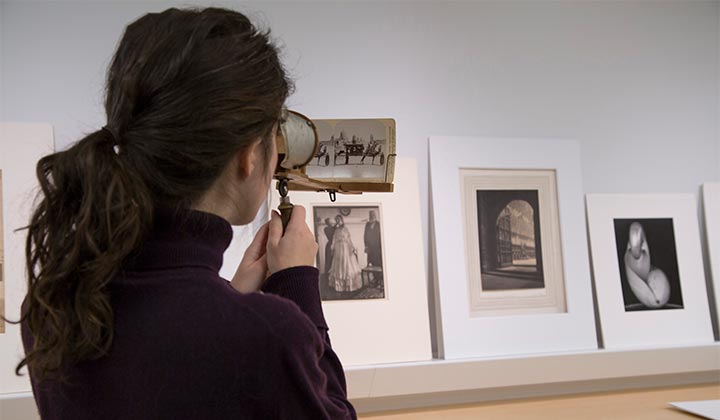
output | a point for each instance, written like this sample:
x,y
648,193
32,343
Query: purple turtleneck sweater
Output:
x,y
188,346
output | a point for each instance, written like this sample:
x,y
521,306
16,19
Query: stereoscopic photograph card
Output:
x,y
355,150
648,270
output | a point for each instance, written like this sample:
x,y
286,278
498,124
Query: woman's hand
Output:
x,y
252,271
296,248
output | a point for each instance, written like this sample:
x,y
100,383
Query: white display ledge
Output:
x,y
439,382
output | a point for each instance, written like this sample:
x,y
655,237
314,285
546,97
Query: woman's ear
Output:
x,y
248,160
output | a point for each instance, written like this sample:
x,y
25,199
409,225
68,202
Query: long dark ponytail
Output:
x,y
186,90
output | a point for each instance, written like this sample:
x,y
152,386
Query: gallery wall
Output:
x,y
637,83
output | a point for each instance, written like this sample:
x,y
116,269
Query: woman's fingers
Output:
x,y
297,219
257,247
297,247
250,276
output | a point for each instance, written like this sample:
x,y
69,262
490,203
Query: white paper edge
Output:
x,y
711,204
709,409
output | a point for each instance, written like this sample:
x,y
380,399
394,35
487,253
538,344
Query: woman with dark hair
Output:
x,y
126,315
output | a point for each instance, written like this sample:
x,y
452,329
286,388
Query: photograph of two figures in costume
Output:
x,y
350,252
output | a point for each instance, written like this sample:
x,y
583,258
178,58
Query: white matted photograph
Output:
x,y
21,146
375,297
648,270
507,218
514,253
711,211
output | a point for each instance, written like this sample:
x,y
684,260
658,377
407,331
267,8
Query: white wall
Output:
x,y
637,83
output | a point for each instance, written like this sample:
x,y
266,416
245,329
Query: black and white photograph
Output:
x,y
350,252
647,258
510,243
353,149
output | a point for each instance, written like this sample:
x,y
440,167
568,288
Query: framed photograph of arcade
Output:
x,y
509,247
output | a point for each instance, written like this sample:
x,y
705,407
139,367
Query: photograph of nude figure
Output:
x,y
648,264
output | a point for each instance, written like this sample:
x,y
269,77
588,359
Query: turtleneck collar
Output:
x,y
183,238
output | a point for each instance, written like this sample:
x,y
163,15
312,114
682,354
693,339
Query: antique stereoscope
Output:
x,y
348,156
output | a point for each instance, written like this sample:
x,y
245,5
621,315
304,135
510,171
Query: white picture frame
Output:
x,y
666,303
711,211
462,335
394,328
21,146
